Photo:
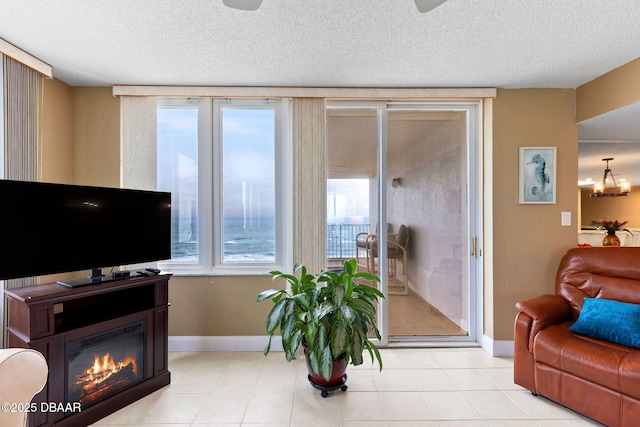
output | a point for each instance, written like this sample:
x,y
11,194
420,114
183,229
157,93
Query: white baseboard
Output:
x,y
228,343
258,343
497,348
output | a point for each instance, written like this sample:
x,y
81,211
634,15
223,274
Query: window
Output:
x,y
178,173
248,177
227,165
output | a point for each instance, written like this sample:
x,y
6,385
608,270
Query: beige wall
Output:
x,y
528,240
80,133
56,159
613,90
218,306
96,137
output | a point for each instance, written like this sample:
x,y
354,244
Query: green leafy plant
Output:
x,y
332,313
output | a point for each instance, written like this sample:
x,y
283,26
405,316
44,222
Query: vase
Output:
x,y
337,374
610,239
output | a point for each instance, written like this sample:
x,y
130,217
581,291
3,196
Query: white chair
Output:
x,y
396,252
363,243
23,374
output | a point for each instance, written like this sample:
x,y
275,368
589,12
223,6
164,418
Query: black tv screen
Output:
x,y
55,228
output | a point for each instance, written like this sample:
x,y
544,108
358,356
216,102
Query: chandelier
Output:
x,y
600,188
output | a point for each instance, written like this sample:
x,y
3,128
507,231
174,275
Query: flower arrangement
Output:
x,y
611,226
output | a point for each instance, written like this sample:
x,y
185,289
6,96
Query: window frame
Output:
x,y
210,188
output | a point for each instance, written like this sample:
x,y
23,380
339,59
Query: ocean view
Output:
x,y
243,240
255,241
249,240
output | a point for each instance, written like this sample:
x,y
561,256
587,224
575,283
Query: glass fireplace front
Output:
x,y
106,363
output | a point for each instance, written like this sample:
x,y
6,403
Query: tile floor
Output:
x,y
417,387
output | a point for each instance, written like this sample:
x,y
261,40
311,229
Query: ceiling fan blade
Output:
x,y
243,4
427,5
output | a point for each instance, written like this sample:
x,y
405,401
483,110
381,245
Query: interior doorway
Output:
x,y
411,213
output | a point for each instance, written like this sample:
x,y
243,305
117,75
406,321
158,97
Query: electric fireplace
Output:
x,y
106,363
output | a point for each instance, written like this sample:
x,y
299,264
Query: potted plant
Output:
x,y
331,314
610,239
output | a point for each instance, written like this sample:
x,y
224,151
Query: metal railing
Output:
x,y
341,240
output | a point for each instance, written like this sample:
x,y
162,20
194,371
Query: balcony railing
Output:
x,y
341,240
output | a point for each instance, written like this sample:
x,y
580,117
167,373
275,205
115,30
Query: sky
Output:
x,y
248,136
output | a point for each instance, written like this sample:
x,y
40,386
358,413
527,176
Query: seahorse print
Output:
x,y
541,176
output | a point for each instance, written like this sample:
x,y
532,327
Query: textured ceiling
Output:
x,y
361,43
337,43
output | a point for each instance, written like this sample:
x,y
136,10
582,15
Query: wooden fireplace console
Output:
x,y
45,317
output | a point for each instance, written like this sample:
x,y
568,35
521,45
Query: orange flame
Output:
x,y
103,367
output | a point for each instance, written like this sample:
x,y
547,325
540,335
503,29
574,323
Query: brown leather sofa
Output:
x,y
594,377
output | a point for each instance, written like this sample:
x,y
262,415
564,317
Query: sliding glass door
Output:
x,y
402,187
352,186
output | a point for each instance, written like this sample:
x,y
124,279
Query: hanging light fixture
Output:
x,y
600,188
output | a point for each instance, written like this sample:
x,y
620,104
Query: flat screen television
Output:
x,y
54,228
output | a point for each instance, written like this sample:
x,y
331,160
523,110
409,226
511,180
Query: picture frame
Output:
x,y
537,175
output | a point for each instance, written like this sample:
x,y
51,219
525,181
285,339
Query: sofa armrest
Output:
x,y
23,374
544,310
547,309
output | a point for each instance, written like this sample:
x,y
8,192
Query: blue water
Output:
x,y
249,240
243,241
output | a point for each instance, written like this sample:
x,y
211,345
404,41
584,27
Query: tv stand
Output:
x,y
48,317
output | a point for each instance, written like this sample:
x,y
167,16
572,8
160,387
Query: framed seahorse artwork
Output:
x,y
537,175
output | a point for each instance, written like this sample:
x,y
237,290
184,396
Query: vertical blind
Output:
x,y
310,182
22,98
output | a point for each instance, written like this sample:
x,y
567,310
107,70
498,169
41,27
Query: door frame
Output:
x,y
474,184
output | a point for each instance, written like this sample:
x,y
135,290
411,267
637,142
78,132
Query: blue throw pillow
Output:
x,y
610,320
